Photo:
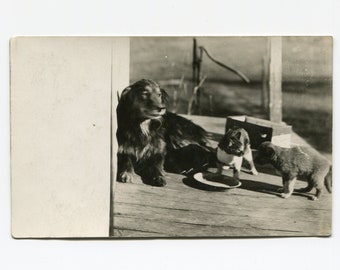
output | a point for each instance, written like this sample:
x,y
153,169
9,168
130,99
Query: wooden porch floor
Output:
x,y
184,208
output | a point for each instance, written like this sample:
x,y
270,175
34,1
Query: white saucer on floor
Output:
x,y
214,180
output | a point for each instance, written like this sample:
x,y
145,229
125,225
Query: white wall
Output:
x,y
60,134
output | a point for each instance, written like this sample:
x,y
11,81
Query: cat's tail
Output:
x,y
328,180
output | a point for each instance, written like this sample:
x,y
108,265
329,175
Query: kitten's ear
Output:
x,y
246,140
238,135
165,96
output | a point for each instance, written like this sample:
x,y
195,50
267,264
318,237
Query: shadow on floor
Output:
x,y
191,182
250,185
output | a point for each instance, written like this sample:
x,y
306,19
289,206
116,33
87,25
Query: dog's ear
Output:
x,y
165,96
270,151
126,95
125,91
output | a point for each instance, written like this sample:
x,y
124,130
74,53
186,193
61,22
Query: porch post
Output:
x,y
275,79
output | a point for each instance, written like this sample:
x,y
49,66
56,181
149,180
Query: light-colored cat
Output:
x,y
232,149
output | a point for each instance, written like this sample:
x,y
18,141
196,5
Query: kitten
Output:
x,y
233,147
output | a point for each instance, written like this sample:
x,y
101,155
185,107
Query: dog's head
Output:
x,y
266,153
235,141
143,100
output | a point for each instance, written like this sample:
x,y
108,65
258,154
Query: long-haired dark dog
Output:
x,y
147,132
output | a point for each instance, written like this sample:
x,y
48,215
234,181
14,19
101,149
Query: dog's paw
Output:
x,y
285,195
254,172
159,181
314,198
125,177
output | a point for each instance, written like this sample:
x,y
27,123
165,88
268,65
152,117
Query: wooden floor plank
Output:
x,y
184,208
185,211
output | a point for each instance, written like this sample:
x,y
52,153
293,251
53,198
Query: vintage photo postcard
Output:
x,y
171,137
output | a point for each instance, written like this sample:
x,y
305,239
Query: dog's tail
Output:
x,y
188,149
181,132
328,180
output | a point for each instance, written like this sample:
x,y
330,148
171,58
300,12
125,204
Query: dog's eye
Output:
x,y
145,94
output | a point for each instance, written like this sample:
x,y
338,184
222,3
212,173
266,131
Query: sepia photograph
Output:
x,y
171,137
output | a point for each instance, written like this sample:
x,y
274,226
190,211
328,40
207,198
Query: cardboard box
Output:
x,y
261,130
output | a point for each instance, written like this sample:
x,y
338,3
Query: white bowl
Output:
x,y
214,180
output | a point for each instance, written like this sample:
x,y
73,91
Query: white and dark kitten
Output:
x,y
232,149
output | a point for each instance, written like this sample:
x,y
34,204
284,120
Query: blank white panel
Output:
x,y
60,135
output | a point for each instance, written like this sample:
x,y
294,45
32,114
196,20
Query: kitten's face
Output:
x,y
232,147
234,142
